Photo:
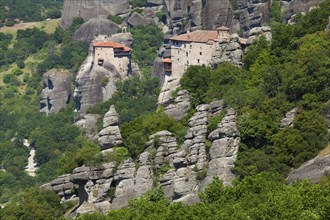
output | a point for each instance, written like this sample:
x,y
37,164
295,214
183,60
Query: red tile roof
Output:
x,y
112,44
167,60
197,36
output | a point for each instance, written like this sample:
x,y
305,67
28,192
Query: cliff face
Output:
x,y
183,14
182,171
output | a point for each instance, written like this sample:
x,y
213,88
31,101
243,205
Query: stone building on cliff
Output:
x,y
192,48
113,53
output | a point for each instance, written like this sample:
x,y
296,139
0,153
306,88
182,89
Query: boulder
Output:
x,y
57,91
180,106
94,27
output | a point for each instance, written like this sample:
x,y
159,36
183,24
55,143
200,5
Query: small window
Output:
x,y
186,54
187,62
190,46
200,53
197,60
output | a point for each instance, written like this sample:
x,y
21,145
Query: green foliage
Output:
x,y
276,11
294,145
138,3
261,196
137,132
196,81
34,204
104,81
161,16
116,19
147,40
30,10
214,121
133,98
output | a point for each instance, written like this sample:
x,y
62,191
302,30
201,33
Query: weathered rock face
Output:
x,y
90,81
89,89
182,171
56,93
88,123
289,118
228,51
180,106
313,169
95,27
225,143
110,135
88,9
292,7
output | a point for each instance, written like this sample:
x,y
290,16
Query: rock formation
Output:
x,y
88,123
95,27
87,9
225,142
313,169
110,135
228,51
90,88
179,107
56,93
289,118
292,7
182,171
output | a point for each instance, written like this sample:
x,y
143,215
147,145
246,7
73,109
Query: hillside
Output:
x,y
234,140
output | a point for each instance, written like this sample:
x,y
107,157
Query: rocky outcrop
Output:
x,y
56,93
88,124
223,152
180,106
256,32
292,7
87,9
181,171
230,50
313,169
289,118
95,27
96,83
89,88
110,135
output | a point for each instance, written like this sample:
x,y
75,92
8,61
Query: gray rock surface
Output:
x,y
289,118
223,152
57,91
88,123
94,27
88,9
313,169
182,171
180,106
292,7
110,135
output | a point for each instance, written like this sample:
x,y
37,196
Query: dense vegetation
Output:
x,y
147,40
12,11
54,137
262,196
290,71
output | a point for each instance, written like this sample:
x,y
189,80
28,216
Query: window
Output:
x,y
190,46
200,53
186,54
197,60
187,62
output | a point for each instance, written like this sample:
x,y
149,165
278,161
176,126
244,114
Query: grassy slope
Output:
x,y
32,61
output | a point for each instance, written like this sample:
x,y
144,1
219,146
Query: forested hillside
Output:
x,y
14,11
291,71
